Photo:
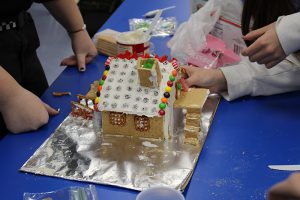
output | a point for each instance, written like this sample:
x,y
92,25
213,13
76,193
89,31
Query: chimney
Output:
x,y
149,72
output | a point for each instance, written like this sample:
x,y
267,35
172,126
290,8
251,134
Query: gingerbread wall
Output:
x,y
129,128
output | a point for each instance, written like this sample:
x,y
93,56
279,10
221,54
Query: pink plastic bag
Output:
x,y
213,54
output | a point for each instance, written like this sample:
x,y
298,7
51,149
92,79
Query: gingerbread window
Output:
x,y
118,119
142,123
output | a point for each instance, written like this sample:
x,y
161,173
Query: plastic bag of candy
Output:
x,y
70,193
164,27
213,54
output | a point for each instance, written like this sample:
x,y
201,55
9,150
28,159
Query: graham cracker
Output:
x,y
106,42
144,77
191,135
193,100
191,130
158,72
193,116
146,74
93,89
193,122
129,129
192,141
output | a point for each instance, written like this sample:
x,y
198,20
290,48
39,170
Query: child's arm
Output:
x,y
20,109
212,79
66,12
246,78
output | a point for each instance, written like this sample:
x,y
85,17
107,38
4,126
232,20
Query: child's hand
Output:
x,y
25,112
212,79
266,49
287,189
84,51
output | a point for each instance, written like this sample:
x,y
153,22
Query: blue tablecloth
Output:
x,y
245,137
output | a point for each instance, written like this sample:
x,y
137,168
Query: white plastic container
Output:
x,y
160,193
134,42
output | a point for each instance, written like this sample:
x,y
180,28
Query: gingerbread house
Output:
x,y
144,97
135,96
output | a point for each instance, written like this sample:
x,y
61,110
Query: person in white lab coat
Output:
x,y
248,78
275,41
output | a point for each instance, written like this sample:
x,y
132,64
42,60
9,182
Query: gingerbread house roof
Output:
x,y
121,91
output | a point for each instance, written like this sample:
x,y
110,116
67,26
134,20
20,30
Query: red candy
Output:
x,y
162,112
170,83
184,85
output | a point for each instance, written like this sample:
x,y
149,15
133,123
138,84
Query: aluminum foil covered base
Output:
x,y
76,151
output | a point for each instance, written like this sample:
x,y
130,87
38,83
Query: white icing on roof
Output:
x,y
121,91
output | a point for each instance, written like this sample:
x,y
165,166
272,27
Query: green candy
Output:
x,y
179,86
162,105
101,82
171,78
151,61
148,66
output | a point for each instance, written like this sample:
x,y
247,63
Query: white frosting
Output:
x,y
149,144
89,102
153,77
178,118
169,117
121,91
132,37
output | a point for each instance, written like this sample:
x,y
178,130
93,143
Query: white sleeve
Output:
x,y
247,78
288,32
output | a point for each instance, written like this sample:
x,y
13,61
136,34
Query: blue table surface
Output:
x,y
245,137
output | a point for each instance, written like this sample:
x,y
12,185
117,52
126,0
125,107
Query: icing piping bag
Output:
x,y
152,13
153,24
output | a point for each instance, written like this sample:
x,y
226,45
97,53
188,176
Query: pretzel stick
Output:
x,y
59,94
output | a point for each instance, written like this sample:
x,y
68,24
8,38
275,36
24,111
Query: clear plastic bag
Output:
x,y
191,35
164,26
70,193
